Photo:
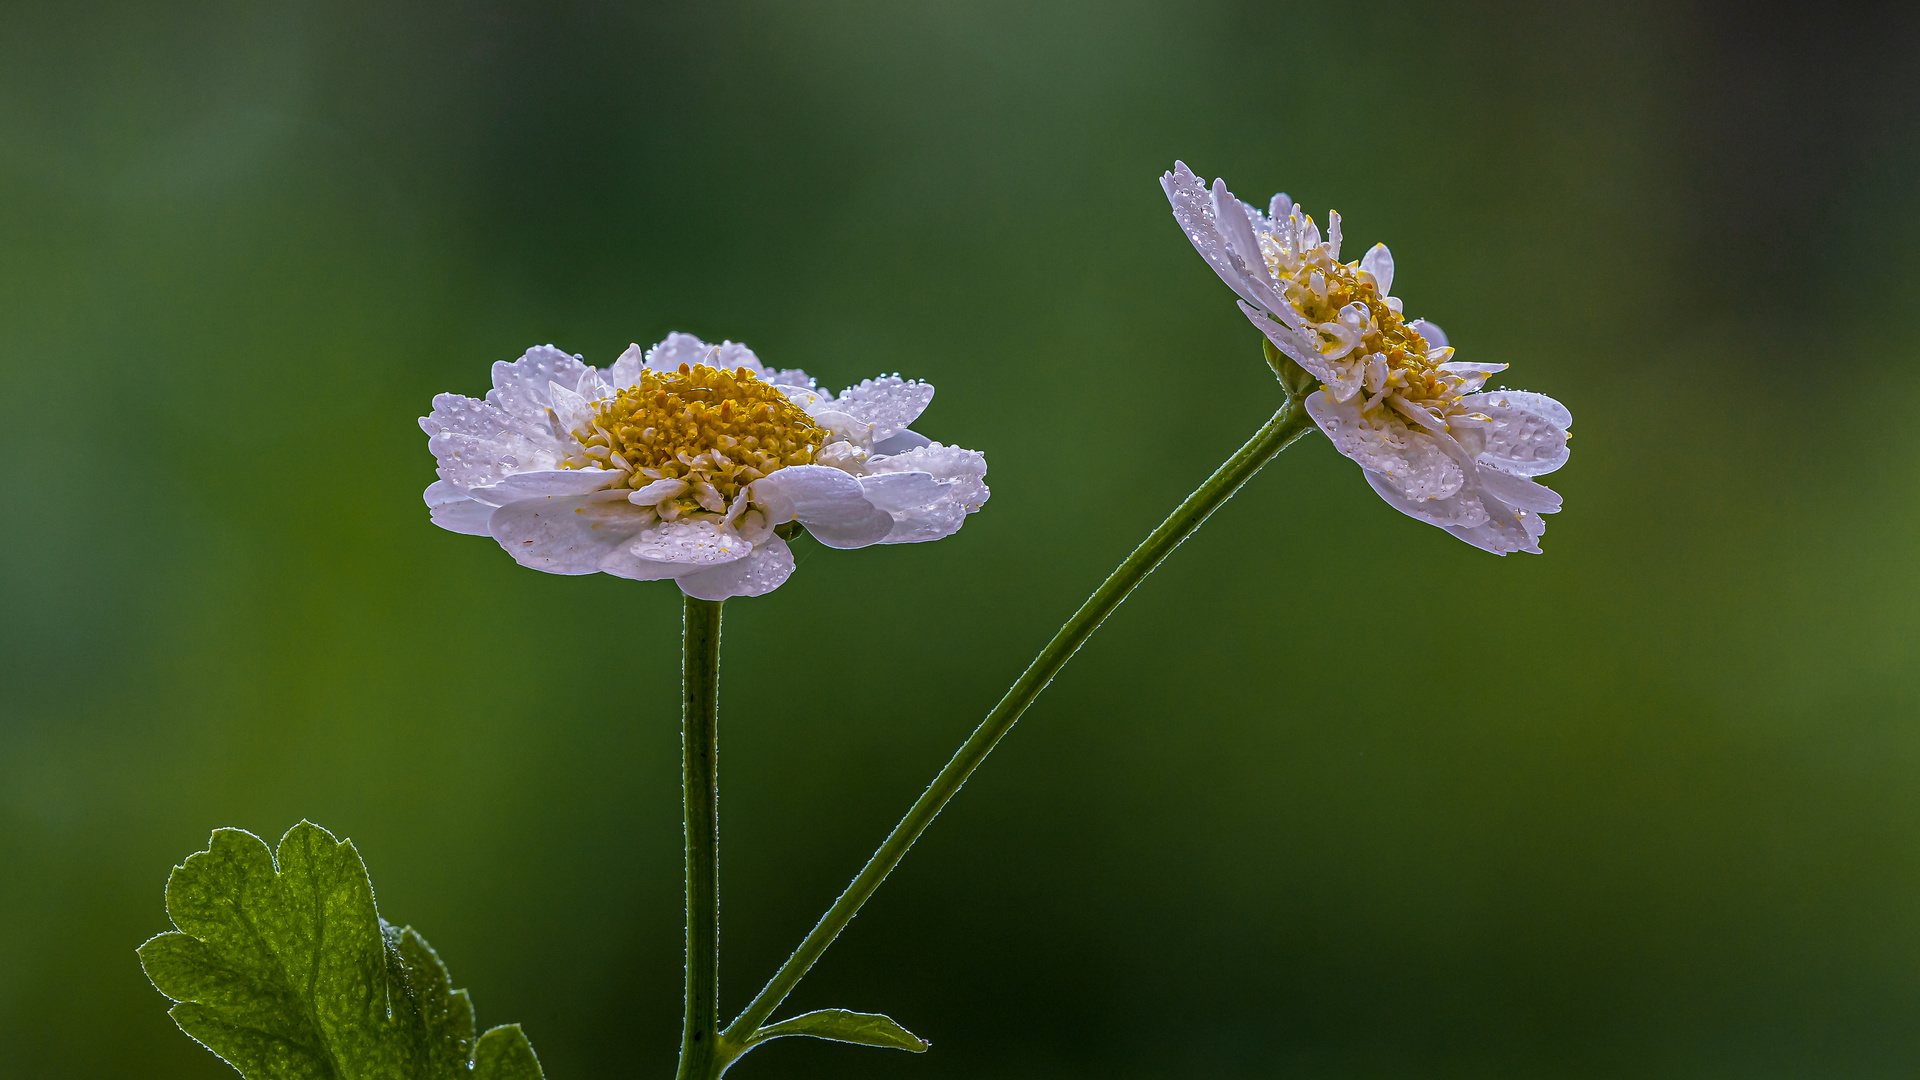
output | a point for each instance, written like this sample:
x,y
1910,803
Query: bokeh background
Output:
x,y
1333,795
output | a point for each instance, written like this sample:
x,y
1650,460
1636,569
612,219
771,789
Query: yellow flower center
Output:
x,y
716,431
1398,359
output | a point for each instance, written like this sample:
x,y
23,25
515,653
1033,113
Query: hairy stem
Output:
x,y
701,1056
1287,425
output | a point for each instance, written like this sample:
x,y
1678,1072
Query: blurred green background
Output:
x,y
1334,795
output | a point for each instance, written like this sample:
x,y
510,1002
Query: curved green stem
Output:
x,y
701,1054
1287,425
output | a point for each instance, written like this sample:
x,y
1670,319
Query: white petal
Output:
x,y
1193,208
948,463
520,387
690,543
1539,405
792,376
1302,351
565,534
732,354
1414,462
461,415
476,443
569,408
621,563
1517,492
656,491
896,492
962,473
470,462
844,425
1519,441
1237,230
758,574
900,443
1279,208
450,509
1378,261
1463,509
544,482
827,501
1505,531
1474,374
625,371
809,398
676,349
889,404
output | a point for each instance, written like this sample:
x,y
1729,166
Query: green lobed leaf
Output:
x,y
842,1025
281,965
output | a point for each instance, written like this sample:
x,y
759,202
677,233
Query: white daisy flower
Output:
x,y
688,461
1391,395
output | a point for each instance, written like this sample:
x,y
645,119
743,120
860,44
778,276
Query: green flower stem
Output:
x,y
1287,425
701,1056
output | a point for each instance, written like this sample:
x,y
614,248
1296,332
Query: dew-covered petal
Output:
x,y
538,483
842,425
457,414
962,474
1414,462
896,492
469,462
690,544
1517,492
1344,379
792,376
1236,228
1519,441
827,501
1526,401
1193,208
952,464
652,493
1378,261
731,355
756,575
1504,531
1463,509
809,399
676,349
566,534
570,410
450,509
476,443
1424,470
625,371
1475,375
621,563
900,443
889,404
521,387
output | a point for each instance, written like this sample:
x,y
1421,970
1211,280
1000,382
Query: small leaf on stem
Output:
x,y
841,1025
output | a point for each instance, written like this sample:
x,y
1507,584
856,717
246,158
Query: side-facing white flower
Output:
x,y
687,461
1391,396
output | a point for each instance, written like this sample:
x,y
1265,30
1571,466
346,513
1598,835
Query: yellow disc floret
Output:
x,y
715,431
1398,361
